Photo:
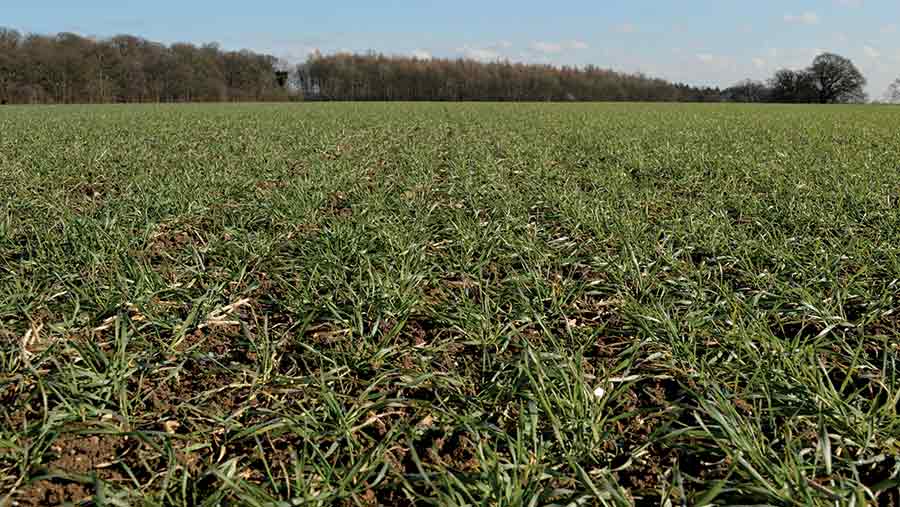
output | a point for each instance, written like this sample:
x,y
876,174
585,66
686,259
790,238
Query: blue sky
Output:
x,y
697,41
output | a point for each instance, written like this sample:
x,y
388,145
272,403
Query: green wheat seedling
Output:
x,y
449,304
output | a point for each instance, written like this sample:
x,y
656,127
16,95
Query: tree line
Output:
x,y
830,79
380,77
68,68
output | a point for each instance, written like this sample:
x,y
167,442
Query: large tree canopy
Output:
x,y
837,79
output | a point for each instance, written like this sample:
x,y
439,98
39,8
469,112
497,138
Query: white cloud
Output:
x,y
558,47
296,54
547,47
488,52
850,3
480,54
871,52
759,63
715,64
889,29
807,18
421,54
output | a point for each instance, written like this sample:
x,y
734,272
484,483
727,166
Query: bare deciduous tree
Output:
x,y
892,96
379,77
69,68
837,79
747,91
793,86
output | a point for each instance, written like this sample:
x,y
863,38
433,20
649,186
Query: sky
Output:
x,y
701,42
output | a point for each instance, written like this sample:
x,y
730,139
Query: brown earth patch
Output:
x,y
20,402
53,492
455,451
268,185
171,238
200,384
417,333
650,405
83,454
166,240
887,325
221,341
338,204
73,456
